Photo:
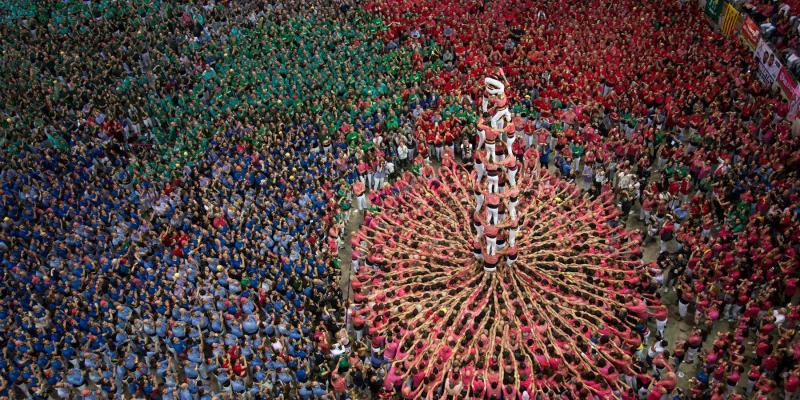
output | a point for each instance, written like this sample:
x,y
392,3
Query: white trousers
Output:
x,y
660,326
491,245
481,138
512,209
682,309
512,237
494,182
362,202
501,118
480,170
494,86
510,144
512,176
377,183
491,216
478,201
490,155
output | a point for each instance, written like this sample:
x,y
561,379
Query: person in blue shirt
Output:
x,y
75,377
305,393
283,376
184,393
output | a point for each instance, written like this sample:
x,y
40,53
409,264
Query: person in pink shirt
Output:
x,y
492,209
491,135
359,189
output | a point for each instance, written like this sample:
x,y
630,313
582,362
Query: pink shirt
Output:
x,y
392,379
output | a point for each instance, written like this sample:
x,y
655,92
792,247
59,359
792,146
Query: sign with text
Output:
x,y
768,65
786,83
750,33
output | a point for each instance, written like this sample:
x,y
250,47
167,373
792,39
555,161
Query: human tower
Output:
x,y
542,289
496,232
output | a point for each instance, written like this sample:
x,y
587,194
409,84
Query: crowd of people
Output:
x,y
647,103
455,312
173,180
779,26
171,183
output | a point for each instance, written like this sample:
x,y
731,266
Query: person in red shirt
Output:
x,y
660,313
791,385
666,234
338,382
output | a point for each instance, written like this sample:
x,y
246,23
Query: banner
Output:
x,y
750,33
713,9
730,20
768,64
794,105
791,90
786,83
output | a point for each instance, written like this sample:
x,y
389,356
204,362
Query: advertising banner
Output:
x,y
794,104
768,65
786,83
792,91
751,35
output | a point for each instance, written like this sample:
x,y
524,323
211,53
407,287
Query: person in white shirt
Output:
x,y
780,318
402,154
599,181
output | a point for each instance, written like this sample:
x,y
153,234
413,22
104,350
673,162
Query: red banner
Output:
x,y
791,90
787,84
750,33
794,104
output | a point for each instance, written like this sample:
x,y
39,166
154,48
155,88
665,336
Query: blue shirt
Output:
x,y
75,377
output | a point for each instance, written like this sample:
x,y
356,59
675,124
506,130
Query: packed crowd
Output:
x,y
170,204
779,25
176,169
478,313
645,102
